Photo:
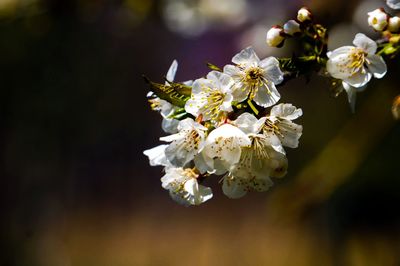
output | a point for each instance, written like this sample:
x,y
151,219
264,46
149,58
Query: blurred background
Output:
x,y
75,188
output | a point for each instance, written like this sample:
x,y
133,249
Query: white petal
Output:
x,y
171,138
290,133
246,57
232,188
189,123
267,98
172,71
337,64
359,79
377,66
272,71
395,4
192,106
178,153
344,50
249,124
275,143
225,143
170,125
278,164
362,41
222,81
204,194
232,71
157,155
351,95
286,111
227,104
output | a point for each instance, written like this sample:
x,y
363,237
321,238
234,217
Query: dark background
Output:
x,y
76,190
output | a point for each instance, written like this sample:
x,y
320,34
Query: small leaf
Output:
x,y
175,93
214,67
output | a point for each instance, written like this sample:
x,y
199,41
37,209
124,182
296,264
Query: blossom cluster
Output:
x,y
231,123
221,136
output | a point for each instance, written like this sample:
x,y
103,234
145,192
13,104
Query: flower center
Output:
x,y
192,140
214,101
271,126
190,173
259,148
357,60
254,79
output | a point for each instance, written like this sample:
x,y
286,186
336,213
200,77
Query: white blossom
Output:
x,y
304,15
291,27
356,65
280,128
211,97
275,36
395,4
258,161
223,147
157,155
394,24
378,19
255,79
166,109
185,144
183,186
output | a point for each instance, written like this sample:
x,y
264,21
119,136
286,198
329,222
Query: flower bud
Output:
x,y
275,36
378,19
291,27
304,15
394,24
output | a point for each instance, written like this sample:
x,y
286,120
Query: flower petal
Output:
x,y
267,96
170,125
246,57
359,79
232,188
272,71
157,155
362,41
395,4
221,80
351,95
286,111
249,124
172,71
377,66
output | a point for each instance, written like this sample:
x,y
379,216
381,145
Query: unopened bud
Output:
x,y
304,15
378,19
394,24
291,27
275,36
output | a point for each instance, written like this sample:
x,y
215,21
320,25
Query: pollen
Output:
x,y
253,79
357,60
214,99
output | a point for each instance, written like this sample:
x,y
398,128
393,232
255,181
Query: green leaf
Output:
x,y
175,93
214,67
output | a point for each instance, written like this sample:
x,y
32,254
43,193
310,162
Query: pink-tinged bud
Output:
x,y
304,15
291,27
275,36
378,19
394,24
